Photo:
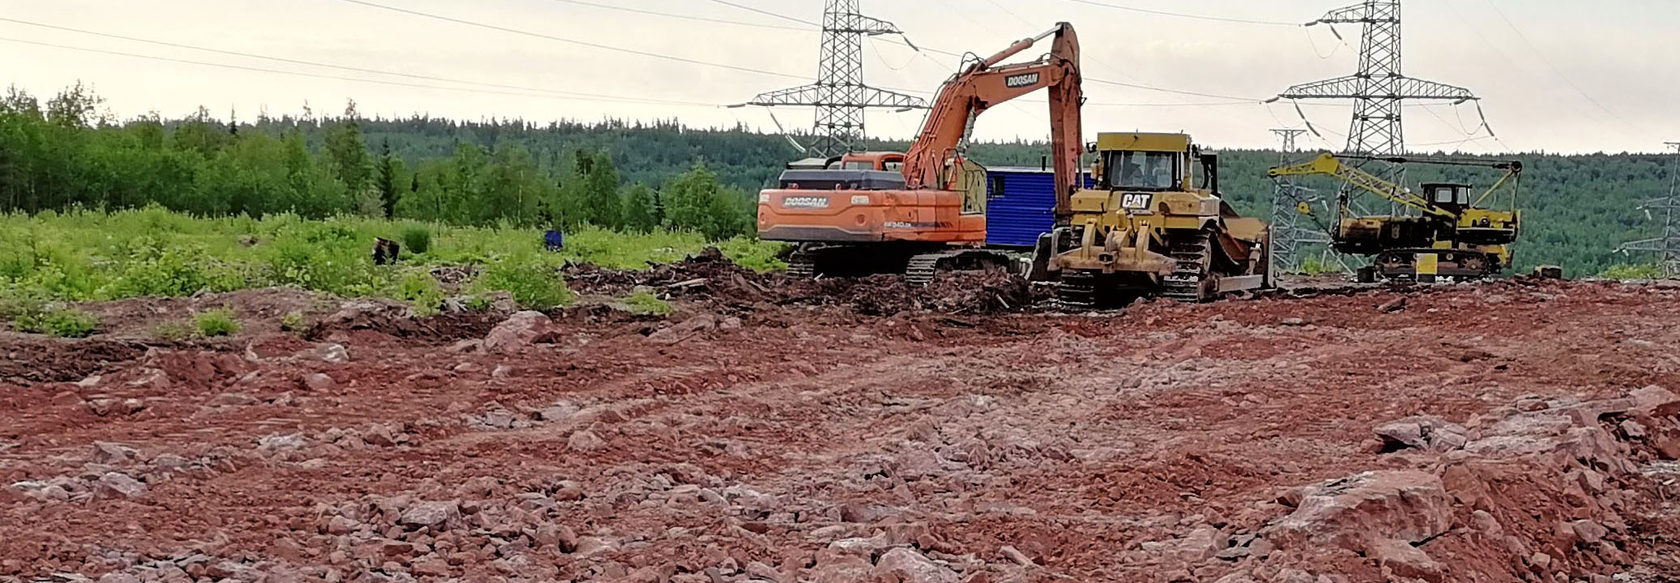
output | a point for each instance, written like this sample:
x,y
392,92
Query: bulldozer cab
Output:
x,y
1452,198
1141,162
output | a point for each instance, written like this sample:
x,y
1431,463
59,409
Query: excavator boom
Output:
x,y
984,84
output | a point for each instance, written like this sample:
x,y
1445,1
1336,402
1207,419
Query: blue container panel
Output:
x,y
1020,207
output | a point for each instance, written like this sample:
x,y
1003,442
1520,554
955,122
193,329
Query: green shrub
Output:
x,y
58,323
217,322
478,303
1633,272
293,322
172,331
759,256
422,291
417,239
647,303
533,286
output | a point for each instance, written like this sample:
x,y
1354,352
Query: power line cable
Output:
x,y
555,94
315,63
766,12
683,16
1172,91
1554,68
1185,15
572,41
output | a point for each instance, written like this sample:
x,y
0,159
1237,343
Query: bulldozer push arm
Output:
x,y
984,84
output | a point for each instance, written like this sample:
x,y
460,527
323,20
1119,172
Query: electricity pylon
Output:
x,y
840,94
1667,247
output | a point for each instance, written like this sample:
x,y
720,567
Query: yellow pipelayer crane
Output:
x,y
1454,237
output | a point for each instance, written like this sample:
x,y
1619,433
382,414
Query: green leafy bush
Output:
x,y
58,323
417,239
217,322
647,303
293,322
422,291
533,286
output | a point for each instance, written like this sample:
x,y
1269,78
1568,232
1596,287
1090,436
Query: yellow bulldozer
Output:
x,y
1453,236
1153,224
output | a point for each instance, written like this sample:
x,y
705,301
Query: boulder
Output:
x,y
685,330
1655,401
430,514
1406,561
108,453
319,382
520,331
1407,506
121,485
908,566
1425,432
585,441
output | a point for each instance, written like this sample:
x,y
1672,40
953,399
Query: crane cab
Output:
x,y
1453,198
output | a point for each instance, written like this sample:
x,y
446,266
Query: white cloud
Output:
x,y
1614,54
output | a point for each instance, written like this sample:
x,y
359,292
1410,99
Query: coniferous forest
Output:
x,y
63,153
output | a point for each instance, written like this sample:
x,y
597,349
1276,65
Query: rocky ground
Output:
x,y
860,431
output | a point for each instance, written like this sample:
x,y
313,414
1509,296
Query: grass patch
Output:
x,y
647,303
172,331
84,255
217,322
58,323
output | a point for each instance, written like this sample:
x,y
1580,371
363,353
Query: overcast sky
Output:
x,y
1555,75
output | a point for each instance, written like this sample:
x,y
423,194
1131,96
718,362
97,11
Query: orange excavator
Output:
x,y
867,214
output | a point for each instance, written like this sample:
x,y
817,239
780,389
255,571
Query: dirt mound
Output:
x,y
43,360
711,278
398,320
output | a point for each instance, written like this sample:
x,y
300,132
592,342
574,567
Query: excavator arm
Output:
x,y
1330,165
986,83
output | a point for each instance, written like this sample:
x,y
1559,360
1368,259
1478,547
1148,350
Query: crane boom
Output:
x,y
984,84
1330,165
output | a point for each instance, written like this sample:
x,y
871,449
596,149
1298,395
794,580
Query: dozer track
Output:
x,y
1190,283
1077,291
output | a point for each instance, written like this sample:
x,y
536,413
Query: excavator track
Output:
x,y
801,266
1191,282
922,269
1077,291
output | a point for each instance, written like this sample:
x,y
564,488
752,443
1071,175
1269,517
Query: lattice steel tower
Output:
x,y
1668,245
840,94
1380,88
1285,212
